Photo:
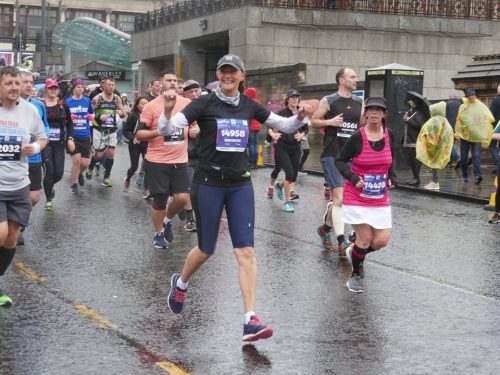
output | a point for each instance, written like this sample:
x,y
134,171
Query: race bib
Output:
x,y
10,148
347,129
232,135
80,123
110,121
55,134
176,138
374,186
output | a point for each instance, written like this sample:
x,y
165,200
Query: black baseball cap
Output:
x,y
469,92
231,60
376,102
291,93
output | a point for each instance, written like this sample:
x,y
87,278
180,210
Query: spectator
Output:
x,y
452,106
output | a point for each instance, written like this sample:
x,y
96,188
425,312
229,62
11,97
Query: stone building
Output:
x,y
438,37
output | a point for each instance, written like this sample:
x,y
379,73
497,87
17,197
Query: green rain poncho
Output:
x,y
474,123
435,140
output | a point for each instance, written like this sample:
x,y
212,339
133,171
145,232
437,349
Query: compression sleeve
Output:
x,y
170,126
285,124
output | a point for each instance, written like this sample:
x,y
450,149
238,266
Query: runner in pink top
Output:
x,y
366,203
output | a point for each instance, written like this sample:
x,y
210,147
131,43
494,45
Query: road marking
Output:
x,y
171,368
28,272
167,366
95,317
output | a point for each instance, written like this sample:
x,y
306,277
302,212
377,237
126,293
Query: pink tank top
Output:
x,y
373,167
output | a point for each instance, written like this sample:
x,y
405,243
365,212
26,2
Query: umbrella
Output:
x,y
421,102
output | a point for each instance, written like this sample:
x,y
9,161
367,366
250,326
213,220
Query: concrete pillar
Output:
x,y
108,17
67,60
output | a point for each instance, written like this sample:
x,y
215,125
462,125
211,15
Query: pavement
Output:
x,y
90,291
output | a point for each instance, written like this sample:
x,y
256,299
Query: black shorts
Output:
x,y
15,206
167,179
82,147
35,175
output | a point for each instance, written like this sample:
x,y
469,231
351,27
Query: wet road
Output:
x,y
90,291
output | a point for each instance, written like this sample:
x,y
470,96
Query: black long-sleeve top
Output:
x,y
353,147
59,116
130,127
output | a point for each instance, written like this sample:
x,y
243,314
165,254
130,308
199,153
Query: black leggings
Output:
x,y
135,151
288,159
53,163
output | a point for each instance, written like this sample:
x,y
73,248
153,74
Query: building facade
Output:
x,y
439,38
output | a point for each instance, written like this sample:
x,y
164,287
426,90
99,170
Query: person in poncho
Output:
x,y
435,142
474,129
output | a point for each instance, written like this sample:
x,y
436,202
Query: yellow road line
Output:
x,y
92,315
31,274
171,368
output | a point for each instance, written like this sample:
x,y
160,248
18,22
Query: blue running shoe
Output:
x,y
279,191
256,330
287,207
159,241
140,180
176,296
167,231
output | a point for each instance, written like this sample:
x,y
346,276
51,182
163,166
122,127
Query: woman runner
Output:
x,y
365,201
222,180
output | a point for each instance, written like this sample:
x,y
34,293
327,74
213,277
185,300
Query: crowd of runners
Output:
x,y
197,144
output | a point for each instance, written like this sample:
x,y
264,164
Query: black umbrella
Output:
x,y
421,102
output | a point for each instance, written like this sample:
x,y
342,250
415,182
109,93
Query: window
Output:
x,y
6,22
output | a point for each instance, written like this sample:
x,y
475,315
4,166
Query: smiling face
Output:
x,y
51,92
229,79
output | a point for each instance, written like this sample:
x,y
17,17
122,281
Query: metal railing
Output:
x,y
464,9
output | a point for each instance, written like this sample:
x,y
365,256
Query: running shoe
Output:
x,y
81,179
74,188
348,254
255,330
343,247
294,197
88,173
495,219
182,215
270,192
140,180
176,296
49,206
126,185
432,186
287,207
190,226
167,231
326,241
97,169
107,182
159,241
325,215
479,179
5,300
355,284
279,191
146,195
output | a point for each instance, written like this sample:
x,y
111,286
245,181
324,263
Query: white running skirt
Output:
x,y
377,217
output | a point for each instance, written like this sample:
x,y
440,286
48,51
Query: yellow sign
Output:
x,y
407,73
375,72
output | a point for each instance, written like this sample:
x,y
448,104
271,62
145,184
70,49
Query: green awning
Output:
x,y
94,40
